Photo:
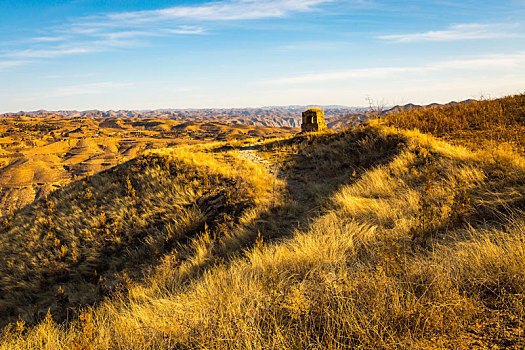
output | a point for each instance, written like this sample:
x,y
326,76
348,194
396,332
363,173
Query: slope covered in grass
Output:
x,y
400,240
89,239
477,124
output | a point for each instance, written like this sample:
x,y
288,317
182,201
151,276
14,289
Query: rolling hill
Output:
x,y
40,154
379,236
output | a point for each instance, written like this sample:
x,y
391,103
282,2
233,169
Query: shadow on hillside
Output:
x,y
74,247
317,165
91,238
313,167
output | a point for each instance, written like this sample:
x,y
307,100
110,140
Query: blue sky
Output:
x,y
99,54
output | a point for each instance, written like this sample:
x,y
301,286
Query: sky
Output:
x,y
131,54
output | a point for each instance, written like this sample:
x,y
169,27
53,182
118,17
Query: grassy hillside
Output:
x,y
89,239
478,124
375,237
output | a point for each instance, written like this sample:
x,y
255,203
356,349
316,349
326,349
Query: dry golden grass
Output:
x,y
478,124
79,244
415,244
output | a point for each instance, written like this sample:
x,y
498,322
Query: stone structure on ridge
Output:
x,y
313,120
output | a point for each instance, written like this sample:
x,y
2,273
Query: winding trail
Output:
x,y
295,187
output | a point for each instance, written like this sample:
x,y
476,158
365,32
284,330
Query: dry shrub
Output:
x,y
81,238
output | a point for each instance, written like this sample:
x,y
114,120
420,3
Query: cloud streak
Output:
x,y
470,31
186,30
46,39
480,63
48,53
190,18
222,11
4,65
131,29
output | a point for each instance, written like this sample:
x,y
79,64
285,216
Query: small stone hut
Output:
x,y
313,120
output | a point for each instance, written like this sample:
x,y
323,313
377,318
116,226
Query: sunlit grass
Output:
x,y
402,240
479,124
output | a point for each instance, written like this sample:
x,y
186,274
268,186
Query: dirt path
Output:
x,y
294,187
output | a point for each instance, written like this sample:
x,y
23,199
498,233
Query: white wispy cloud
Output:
x,y
477,63
456,32
125,34
48,53
46,39
194,30
189,18
82,45
222,11
131,29
12,63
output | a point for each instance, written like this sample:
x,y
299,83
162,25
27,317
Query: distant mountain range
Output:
x,y
410,106
273,116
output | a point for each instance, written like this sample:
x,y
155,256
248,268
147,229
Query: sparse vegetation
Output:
x,y
380,237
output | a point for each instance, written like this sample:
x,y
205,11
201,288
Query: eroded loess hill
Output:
x,y
371,238
41,154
